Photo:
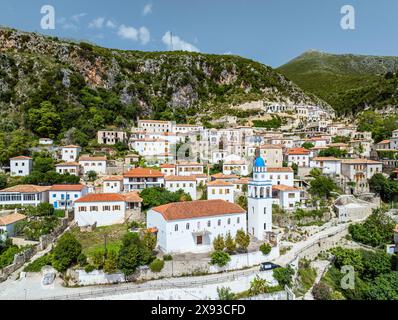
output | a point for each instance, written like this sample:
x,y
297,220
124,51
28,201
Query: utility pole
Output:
x,y
171,40
105,243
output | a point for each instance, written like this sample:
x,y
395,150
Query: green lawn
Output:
x,y
94,241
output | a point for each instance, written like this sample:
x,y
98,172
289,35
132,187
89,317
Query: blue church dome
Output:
x,y
259,162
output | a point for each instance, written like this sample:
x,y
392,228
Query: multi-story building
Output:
x,y
111,137
70,153
96,164
24,195
72,168
112,184
298,156
185,183
142,178
219,189
328,165
21,166
155,126
63,196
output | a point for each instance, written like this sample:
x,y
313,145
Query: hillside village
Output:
x,y
194,200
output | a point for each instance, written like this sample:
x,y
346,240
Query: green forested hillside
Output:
x,y
347,82
67,91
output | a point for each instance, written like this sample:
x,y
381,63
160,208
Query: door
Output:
x,y
199,240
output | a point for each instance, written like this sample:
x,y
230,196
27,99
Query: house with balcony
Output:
x,y
24,195
142,178
63,196
357,172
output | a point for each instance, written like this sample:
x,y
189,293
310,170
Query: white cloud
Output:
x,y
176,43
76,18
144,35
97,23
130,33
71,23
110,24
147,9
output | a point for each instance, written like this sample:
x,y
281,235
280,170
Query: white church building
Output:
x,y
192,226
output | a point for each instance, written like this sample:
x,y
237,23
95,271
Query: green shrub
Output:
x,y
82,259
89,268
156,265
39,263
110,264
7,257
265,248
66,252
220,258
167,257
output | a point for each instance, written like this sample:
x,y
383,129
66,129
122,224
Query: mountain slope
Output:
x,y
342,79
68,90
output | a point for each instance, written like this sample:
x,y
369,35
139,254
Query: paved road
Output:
x,y
31,288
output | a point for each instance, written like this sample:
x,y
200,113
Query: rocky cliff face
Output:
x,y
84,82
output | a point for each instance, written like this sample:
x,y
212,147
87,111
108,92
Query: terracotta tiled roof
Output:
x,y
384,142
113,178
67,187
201,175
360,161
167,166
241,181
71,146
21,158
27,188
343,145
326,159
297,151
280,169
92,159
197,209
155,121
239,163
101,197
189,164
68,164
143,173
132,197
11,218
180,178
219,183
224,176
271,146
282,187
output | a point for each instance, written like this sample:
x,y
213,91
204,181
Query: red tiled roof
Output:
x,y
27,188
197,209
101,197
92,159
326,159
180,178
11,218
68,164
282,187
360,161
21,158
167,166
67,187
224,176
71,146
219,183
113,178
132,197
143,173
297,151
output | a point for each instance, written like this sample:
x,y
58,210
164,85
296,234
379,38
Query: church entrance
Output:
x,y
199,240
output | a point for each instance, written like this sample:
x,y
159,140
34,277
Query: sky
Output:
x,y
269,31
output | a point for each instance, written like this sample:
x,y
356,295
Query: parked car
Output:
x,y
265,266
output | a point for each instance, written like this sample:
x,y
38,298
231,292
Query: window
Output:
x,y
93,208
291,195
176,227
229,221
187,226
209,223
82,209
265,226
265,210
116,208
219,222
198,224
106,208
238,220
